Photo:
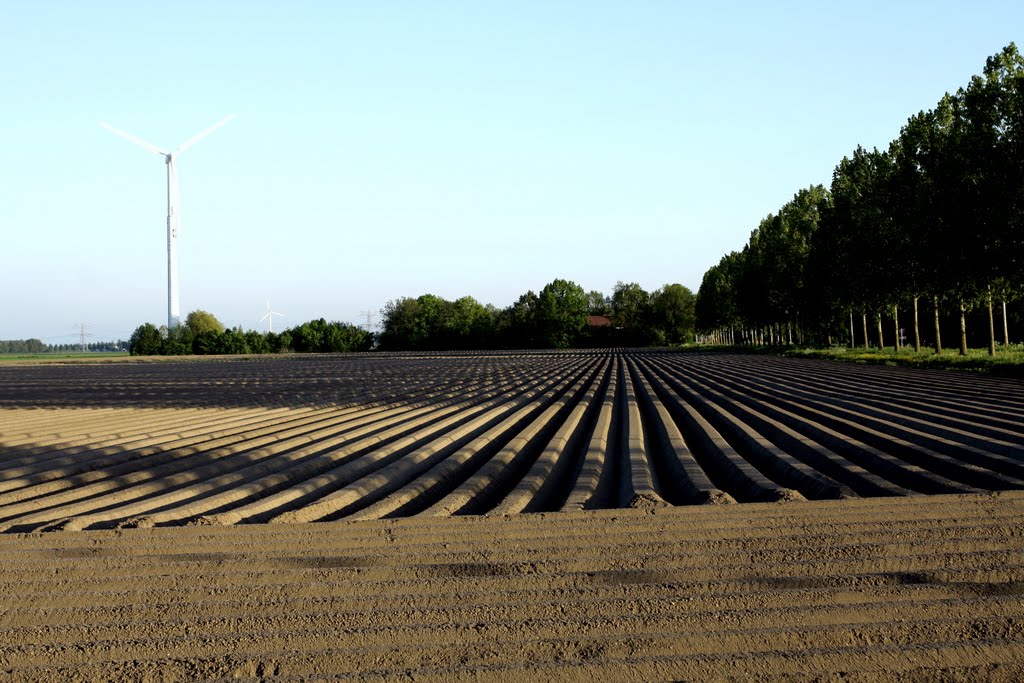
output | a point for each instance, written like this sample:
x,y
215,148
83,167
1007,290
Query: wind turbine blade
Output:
x,y
202,134
131,138
264,317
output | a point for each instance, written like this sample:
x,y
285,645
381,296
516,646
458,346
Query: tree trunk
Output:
x,y
938,329
881,338
853,341
1006,328
963,329
991,326
789,333
896,326
917,330
865,321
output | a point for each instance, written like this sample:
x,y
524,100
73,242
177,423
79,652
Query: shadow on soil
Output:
x,y
275,381
46,487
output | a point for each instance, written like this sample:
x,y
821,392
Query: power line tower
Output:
x,y
83,332
369,319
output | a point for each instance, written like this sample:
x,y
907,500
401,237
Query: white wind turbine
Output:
x,y
173,309
269,317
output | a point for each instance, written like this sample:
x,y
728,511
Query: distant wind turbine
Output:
x,y
173,309
269,317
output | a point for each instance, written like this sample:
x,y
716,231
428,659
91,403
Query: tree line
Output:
x,y
38,346
22,346
202,334
561,315
935,222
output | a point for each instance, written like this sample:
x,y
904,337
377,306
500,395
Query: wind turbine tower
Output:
x,y
269,317
173,307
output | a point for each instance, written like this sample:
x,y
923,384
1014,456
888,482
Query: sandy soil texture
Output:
x,y
880,589
705,517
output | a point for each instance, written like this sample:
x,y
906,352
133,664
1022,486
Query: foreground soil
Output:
x,y
917,588
504,517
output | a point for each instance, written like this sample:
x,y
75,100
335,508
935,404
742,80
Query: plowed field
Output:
x,y
415,464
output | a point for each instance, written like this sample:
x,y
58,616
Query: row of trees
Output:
x,y
22,346
936,218
37,346
203,334
95,347
561,315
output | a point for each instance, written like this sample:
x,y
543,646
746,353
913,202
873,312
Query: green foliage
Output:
x,y
199,322
232,342
673,315
402,328
561,314
630,308
431,323
320,336
258,342
34,346
598,303
630,314
178,341
717,302
206,343
557,317
517,324
145,341
471,324
939,215
22,346
316,336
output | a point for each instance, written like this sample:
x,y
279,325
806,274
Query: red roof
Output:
x,y
600,321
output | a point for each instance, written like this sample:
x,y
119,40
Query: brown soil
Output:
x,y
926,588
152,475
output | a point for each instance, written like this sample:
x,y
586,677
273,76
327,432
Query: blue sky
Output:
x,y
388,149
